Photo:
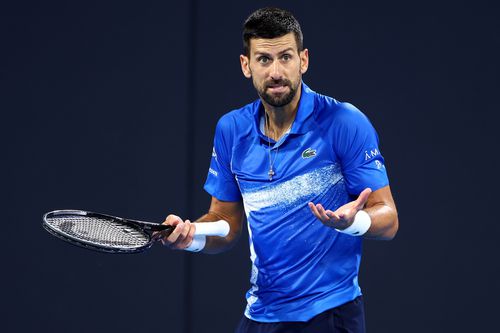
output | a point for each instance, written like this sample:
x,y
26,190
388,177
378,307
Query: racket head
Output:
x,y
99,232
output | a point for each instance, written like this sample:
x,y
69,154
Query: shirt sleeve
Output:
x,y
221,182
356,145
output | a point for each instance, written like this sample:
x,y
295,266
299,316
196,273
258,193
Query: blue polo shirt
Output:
x,y
300,267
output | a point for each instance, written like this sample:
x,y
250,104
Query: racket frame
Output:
x,y
145,227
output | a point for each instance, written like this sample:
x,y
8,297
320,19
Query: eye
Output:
x,y
263,60
286,57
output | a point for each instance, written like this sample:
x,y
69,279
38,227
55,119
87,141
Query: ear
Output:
x,y
304,61
245,66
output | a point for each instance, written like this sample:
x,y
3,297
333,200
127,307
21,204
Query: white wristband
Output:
x,y
197,244
360,226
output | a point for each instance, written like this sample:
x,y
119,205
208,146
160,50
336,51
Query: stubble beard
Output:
x,y
281,99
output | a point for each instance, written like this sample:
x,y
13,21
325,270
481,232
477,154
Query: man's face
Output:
x,y
276,67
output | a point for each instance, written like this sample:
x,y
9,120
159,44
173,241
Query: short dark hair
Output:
x,y
271,22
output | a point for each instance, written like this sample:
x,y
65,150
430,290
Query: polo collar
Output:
x,y
305,110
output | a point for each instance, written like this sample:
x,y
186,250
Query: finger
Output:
x,y
158,235
322,212
172,220
182,239
172,238
191,232
332,215
363,197
187,236
345,213
313,209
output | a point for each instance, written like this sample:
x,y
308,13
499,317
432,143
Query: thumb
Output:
x,y
363,197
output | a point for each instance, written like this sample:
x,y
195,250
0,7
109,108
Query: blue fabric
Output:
x,y
300,267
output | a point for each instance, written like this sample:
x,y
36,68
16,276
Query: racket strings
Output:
x,y
103,232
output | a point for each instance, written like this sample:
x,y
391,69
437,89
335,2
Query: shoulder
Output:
x,y
237,121
342,121
333,111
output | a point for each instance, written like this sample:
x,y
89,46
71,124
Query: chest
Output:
x,y
296,155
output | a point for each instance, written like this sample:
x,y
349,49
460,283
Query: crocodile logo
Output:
x,y
308,153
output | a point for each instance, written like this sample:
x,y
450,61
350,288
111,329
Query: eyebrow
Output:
x,y
268,54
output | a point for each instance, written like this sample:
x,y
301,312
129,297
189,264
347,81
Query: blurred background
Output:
x,y
110,106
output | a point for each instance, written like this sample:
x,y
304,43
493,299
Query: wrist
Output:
x,y
198,243
360,225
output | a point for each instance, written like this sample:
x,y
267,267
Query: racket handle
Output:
x,y
218,228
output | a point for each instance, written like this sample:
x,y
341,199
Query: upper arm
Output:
x,y
220,181
355,143
382,196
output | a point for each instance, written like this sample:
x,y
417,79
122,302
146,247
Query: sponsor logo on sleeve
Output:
x,y
379,164
213,172
372,153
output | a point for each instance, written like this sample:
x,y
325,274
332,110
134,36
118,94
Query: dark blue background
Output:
x,y
111,107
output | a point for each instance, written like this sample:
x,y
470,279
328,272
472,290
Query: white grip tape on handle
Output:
x,y
204,229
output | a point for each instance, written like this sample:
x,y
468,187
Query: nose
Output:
x,y
276,71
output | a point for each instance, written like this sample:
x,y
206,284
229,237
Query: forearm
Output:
x,y
385,222
215,244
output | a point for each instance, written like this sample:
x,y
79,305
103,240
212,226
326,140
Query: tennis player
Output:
x,y
307,173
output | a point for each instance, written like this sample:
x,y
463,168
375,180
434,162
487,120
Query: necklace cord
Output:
x,y
271,172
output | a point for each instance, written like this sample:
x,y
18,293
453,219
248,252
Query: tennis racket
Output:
x,y
111,234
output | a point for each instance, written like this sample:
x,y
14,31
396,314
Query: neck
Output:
x,y
280,119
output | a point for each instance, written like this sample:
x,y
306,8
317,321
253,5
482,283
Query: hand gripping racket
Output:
x,y
106,233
